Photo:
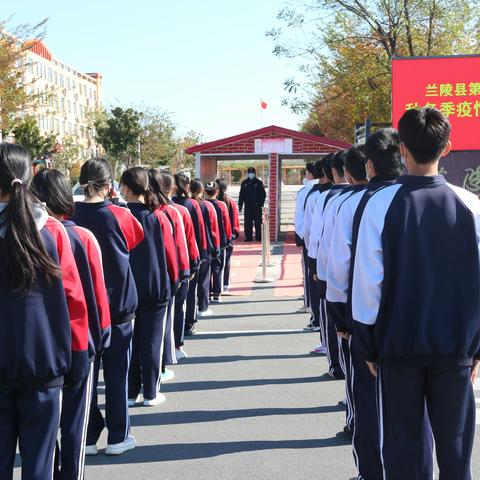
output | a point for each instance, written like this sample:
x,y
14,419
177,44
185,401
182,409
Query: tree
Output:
x,y
28,135
67,156
182,160
118,131
14,98
347,46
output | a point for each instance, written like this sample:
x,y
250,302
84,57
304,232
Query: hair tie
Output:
x,y
16,180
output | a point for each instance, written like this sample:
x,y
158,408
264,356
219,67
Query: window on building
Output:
x,y
44,71
55,78
62,104
30,67
69,106
62,81
75,108
74,86
50,75
62,127
57,126
68,83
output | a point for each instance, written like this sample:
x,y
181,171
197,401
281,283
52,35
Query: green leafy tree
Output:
x,y
345,49
28,135
119,131
67,156
14,98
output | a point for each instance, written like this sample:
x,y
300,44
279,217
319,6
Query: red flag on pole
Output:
x,y
263,104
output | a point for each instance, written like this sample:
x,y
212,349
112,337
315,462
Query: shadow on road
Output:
x,y
201,416
191,451
241,358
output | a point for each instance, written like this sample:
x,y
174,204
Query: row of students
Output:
x,y
80,276
396,261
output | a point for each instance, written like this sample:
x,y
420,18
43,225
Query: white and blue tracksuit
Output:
x,y
329,339
416,312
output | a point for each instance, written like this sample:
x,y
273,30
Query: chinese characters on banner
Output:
x,y
450,84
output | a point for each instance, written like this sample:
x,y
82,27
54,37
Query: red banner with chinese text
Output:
x,y
451,84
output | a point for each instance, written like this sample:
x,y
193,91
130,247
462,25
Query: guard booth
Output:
x,y
270,143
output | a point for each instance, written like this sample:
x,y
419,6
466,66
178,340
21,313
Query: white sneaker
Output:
x,y
226,288
304,309
180,354
167,375
118,448
91,450
205,313
133,401
151,402
216,300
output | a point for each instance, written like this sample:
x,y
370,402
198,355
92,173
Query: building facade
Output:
x,y
67,97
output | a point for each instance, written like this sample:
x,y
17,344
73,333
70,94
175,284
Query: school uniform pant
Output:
x,y
169,353
314,300
307,279
365,442
192,302
226,270
253,215
32,417
73,428
116,362
203,292
179,313
346,365
147,351
331,341
218,265
402,393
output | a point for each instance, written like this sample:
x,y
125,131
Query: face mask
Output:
x,y
305,180
251,176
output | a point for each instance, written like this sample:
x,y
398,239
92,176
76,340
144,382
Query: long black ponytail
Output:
x,y
23,257
182,183
155,185
136,179
222,191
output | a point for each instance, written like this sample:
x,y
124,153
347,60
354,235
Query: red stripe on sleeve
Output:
x,y
189,233
214,224
226,220
96,270
72,285
201,226
236,219
169,244
180,240
131,228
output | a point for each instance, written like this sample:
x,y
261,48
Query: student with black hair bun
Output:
x,y
118,232
169,188
161,184
154,268
235,227
192,214
225,229
53,189
213,250
44,321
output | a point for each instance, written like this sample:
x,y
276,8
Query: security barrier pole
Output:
x,y
265,248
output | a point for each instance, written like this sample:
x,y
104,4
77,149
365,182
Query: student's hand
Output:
x,y
474,370
373,369
344,335
191,277
315,278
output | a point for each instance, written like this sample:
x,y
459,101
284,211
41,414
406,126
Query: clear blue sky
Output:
x,y
207,62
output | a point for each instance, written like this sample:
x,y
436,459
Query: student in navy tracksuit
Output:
x,y
160,185
324,179
53,189
150,267
382,168
416,306
182,197
235,226
321,208
356,178
225,228
192,234
213,249
118,232
44,322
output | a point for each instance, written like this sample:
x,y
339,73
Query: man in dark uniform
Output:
x,y
252,194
